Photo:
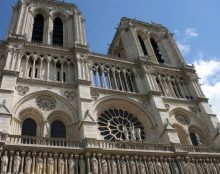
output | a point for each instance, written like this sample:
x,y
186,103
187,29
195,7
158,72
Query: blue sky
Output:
x,y
195,24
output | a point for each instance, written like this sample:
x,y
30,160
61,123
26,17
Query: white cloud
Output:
x,y
208,71
183,40
184,47
190,33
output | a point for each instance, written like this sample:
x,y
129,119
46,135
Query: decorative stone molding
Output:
x,y
95,95
184,120
45,102
22,90
69,95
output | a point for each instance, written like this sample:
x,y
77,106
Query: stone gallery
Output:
x,y
66,110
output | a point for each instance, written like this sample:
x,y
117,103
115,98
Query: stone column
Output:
x,y
108,162
179,164
34,154
55,163
77,164
88,162
45,163
128,166
11,153
135,160
118,164
99,160
145,163
66,163
76,27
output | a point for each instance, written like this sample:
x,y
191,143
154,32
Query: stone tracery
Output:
x,y
46,103
119,125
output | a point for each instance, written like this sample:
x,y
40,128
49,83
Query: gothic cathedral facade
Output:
x,y
67,110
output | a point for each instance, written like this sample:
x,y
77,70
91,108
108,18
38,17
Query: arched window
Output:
x,y
38,29
144,49
29,127
157,51
58,130
58,32
194,139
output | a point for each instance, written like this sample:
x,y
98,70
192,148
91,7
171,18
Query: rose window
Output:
x,y
119,125
184,120
46,103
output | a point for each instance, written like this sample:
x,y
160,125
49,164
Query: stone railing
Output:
x,y
42,141
102,144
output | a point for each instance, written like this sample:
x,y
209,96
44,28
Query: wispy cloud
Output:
x,y
183,39
208,71
190,33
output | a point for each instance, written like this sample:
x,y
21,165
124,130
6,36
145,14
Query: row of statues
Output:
x,y
131,133
50,163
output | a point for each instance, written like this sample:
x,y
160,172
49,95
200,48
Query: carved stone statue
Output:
x,y
113,166
186,168
199,168
126,133
123,166
159,167
50,164
132,132
132,166
82,165
166,167
16,163
206,167
214,170
4,163
175,168
61,164
71,165
94,165
47,129
28,163
141,167
198,139
104,166
39,164
138,134
150,166
192,168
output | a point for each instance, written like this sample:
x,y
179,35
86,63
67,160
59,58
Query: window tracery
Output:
x,y
47,67
46,103
173,86
120,125
112,77
184,120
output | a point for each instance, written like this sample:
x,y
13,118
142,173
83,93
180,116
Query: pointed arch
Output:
x,y
38,29
58,31
141,41
157,51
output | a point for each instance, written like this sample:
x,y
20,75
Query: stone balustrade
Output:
x,y
39,155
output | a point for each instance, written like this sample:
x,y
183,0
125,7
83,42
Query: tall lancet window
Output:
x,y
29,127
157,51
144,49
58,32
38,29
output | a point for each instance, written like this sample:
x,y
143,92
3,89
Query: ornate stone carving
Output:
x,y
184,120
28,163
22,90
69,95
82,165
45,102
50,164
94,165
104,166
4,163
95,96
61,164
16,163
39,164
113,166
71,164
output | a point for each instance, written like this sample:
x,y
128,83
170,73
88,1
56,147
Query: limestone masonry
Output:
x,y
66,110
